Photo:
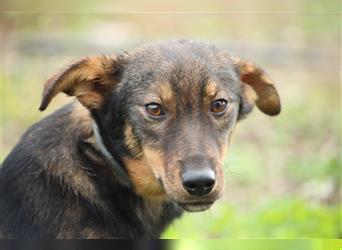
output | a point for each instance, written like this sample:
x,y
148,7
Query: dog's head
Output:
x,y
168,110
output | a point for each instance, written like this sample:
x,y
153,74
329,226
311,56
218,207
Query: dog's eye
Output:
x,y
154,110
219,106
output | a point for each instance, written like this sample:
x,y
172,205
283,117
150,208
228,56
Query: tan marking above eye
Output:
x,y
160,92
211,89
166,93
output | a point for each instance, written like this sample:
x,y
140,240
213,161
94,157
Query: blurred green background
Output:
x,y
283,174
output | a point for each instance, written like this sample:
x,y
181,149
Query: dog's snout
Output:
x,y
199,182
197,176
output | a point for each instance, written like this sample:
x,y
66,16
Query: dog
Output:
x,y
143,141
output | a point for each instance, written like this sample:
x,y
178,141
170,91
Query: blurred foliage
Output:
x,y
248,244
283,174
275,218
176,5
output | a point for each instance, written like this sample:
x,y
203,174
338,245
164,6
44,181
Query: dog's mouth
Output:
x,y
196,206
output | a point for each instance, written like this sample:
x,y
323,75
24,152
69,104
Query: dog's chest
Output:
x,y
155,216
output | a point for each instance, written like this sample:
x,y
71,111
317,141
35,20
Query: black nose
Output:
x,y
198,182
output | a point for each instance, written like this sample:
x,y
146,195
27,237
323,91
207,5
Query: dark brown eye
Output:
x,y
219,106
154,110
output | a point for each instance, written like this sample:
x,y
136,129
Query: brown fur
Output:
x,y
132,142
144,171
89,79
268,100
211,89
165,92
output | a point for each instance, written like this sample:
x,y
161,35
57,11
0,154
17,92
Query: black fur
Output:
x,y
37,203
58,181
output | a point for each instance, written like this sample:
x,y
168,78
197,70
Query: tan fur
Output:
x,y
144,172
162,93
131,141
166,92
88,79
211,89
249,94
268,100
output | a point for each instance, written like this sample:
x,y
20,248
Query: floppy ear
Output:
x,y
265,94
89,79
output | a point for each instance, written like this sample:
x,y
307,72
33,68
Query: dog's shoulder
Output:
x,y
45,170
70,121
51,146
52,138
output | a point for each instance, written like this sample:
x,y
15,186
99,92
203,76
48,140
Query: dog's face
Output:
x,y
171,109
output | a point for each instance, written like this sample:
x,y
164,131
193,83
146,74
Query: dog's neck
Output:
x,y
116,168
155,215
99,142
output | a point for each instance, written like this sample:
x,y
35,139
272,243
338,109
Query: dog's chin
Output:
x,y
195,207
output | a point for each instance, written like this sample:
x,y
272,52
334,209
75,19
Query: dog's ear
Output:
x,y
265,95
89,79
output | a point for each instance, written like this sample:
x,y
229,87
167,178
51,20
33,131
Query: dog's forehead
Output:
x,y
180,62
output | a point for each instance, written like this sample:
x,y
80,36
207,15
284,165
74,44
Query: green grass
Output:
x,y
285,217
